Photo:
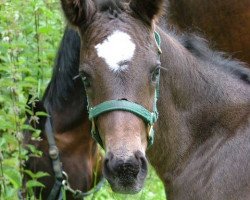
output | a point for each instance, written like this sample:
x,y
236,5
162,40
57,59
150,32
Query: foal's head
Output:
x,y
119,60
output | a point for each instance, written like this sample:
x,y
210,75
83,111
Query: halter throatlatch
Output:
x,y
147,116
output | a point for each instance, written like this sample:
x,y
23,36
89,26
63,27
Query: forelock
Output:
x,y
112,6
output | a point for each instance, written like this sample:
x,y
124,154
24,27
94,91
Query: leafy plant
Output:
x,y
30,32
29,35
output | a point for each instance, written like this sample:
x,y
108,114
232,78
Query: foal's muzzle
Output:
x,y
126,176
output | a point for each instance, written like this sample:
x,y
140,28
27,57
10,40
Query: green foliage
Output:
x,y
29,35
30,32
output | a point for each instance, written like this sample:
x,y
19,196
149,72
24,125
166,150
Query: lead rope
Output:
x,y
77,194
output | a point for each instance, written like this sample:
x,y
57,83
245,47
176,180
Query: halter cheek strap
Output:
x,y
123,105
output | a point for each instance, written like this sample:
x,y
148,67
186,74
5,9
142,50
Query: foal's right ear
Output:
x,y
148,10
78,12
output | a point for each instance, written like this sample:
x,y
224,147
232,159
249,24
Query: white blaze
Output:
x,y
118,47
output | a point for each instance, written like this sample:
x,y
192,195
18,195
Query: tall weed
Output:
x,y
30,32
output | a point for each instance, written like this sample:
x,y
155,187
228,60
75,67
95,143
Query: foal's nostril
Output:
x,y
108,162
142,160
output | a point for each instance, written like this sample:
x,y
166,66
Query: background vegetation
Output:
x,y
30,32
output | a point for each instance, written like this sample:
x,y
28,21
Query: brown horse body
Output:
x,y
201,148
224,22
71,128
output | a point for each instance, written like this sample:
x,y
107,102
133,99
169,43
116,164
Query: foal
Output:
x,y
202,140
65,102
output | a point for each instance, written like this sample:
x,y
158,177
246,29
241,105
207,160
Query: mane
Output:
x,y
63,88
199,48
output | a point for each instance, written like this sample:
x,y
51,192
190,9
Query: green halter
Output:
x,y
149,117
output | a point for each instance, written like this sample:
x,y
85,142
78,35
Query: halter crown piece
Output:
x,y
149,117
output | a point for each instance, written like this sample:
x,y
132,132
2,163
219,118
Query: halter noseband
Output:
x,y
124,105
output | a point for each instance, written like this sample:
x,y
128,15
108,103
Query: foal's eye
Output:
x,y
155,75
85,79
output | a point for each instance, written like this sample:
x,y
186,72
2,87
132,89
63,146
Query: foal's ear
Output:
x,y
78,11
148,10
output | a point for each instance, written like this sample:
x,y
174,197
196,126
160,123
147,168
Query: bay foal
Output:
x,y
201,119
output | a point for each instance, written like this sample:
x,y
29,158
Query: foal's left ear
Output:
x,y
78,12
148,10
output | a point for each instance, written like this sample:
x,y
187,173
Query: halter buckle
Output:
x,y
150,128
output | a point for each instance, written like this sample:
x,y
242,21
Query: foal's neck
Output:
x,y
200,88
198,102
